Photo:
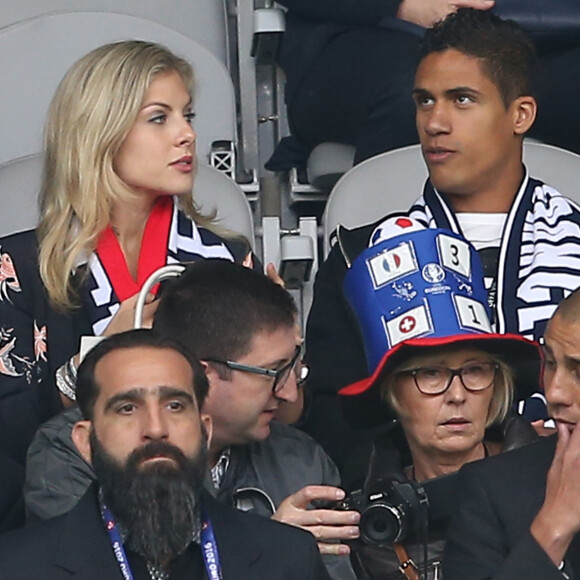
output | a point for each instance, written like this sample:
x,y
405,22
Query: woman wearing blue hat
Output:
x,y
441,377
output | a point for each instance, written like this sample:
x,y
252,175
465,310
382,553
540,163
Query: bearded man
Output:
x,y
147,516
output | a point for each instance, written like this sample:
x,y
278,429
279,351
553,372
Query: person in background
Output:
x,y
115,204
349,70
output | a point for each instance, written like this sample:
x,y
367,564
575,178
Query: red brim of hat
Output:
x,y
518,352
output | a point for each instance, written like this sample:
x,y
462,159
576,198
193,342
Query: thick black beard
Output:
x,y
158,506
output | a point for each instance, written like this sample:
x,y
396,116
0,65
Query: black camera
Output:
x,y
390,513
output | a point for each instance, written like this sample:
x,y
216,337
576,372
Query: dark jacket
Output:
x,y
310,26
390,454
35,340
259,477
11,500
76,545
489,536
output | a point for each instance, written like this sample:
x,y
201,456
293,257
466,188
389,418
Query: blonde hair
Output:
x,y
501,400
92,111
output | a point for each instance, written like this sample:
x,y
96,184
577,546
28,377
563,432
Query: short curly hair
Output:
x,y
507,55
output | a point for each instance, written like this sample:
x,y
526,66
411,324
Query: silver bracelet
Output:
x,y
71,370
65,382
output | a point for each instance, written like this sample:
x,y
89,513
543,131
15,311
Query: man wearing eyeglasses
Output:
x,y
242,326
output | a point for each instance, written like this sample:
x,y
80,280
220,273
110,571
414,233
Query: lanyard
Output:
x,y
208,545
209,550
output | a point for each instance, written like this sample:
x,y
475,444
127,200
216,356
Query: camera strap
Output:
x,y
407,566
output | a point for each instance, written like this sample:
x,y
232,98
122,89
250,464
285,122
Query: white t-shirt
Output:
x,y
484,231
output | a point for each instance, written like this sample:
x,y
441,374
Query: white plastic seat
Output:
x,y
20,183
35,54
327,163
201,20
392,181
215,191
380,185
557,167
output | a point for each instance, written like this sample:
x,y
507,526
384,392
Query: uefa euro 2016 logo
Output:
x,y
433,273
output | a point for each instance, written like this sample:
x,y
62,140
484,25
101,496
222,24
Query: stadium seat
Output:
x,y
35,53
202,20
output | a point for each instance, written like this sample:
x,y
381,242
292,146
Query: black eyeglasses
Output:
x,y
436,380
280,375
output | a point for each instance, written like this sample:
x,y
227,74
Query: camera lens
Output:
x,y
381,524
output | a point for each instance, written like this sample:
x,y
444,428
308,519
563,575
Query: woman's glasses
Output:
x,y
436,380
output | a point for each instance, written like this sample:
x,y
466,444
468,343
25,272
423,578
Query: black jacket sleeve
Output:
x,y
334,348
34,341
489,537
343,12
28,394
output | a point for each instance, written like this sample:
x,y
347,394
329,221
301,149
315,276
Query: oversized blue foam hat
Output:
x,y
414,282
415,288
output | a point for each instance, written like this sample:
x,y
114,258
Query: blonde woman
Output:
x,y
119,165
